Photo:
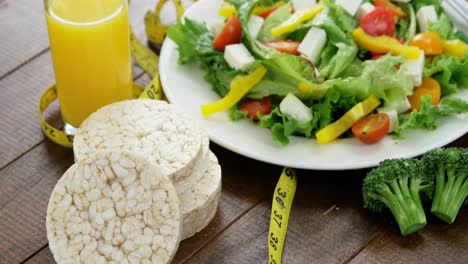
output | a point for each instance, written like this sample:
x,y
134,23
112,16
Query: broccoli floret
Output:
x,y
449,169
397,184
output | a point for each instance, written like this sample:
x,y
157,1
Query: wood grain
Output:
x,y
327,225
23,32
29,182
437,243
42,257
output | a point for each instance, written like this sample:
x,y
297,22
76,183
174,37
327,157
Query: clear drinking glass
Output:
x,y
90,46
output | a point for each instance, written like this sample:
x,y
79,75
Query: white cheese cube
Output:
x,y
364,9
238,56
400,106
424,15
254,25
216,27
415,68
303,4
292,106
403,106
313,43
393,117
350,6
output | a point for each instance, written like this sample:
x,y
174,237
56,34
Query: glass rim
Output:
x,y
60,19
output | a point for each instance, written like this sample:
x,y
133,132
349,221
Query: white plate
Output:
x,y
184,85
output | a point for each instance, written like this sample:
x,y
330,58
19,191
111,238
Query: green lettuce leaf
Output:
x,y
340,50
273,20
443,27
427,117
283,126
236,114
392,87
450,72
194,42
284,73
406,27
325,111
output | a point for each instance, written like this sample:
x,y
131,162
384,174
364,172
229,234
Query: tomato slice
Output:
x,y
372,128
390,6
254,106
377,56
269,12
286,46
230,34
430,42
428,86
379,22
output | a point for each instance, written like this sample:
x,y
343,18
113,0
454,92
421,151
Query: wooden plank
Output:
x,y
327,225
30,181
437,243
20,128
43,257
23,32
241,191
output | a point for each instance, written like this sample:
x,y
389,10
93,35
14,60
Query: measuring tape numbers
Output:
x,y
280,210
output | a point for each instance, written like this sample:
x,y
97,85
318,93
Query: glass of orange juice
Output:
x,y
90,46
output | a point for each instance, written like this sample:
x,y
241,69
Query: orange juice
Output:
x,y
90,46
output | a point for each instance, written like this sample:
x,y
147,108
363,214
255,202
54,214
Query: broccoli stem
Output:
x,y
405,204
450,195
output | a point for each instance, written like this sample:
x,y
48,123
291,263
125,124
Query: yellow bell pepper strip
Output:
x,y
239,87
305,86
227,11
296,19
261,9
456,48
334,130
384,44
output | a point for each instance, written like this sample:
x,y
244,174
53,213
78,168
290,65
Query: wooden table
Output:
x,y
328,223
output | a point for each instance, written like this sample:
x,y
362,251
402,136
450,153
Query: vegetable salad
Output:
x,y
330,69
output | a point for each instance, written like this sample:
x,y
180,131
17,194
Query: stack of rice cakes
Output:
x,y
164,137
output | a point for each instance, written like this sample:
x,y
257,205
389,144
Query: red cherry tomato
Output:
x,y
379,22
372,128
286,46
376,56
269,11
231,34
253,106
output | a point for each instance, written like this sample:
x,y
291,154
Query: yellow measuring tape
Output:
x,y
280,210
149,61
155,30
